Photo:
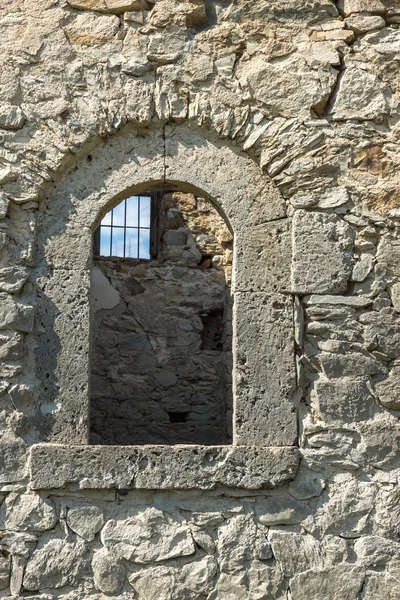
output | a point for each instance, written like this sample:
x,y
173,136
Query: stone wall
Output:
x,y
161,358
285,113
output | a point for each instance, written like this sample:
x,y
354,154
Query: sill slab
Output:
x,y
55,466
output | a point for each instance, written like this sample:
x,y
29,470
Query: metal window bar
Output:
x,y
139,226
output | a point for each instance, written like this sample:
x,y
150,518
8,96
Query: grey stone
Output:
x,y
374,550
361,95
322,253
106,6
4,203
343,400
356,301
361,6
395,296
352,364
388,389
361,23
13,458
56,564
148,535
342,582
187,582
14,315
86,521
30,512
5,569
11,117
12,279
54,466
175,237
363,267
108,573
282,511
296,552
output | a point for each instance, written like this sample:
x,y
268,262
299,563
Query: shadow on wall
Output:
x,y
161,359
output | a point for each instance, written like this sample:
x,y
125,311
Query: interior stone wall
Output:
x,y
286,113
161,352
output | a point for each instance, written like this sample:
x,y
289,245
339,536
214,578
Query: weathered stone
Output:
x,y
322,253
11,117
106,6
55,564
353,364
339,583
253,543
14,315
91,30
395,296
176,467
30,512
344,400
86,521
108,573
362,268
4,203
187,582
296,552
361,6
282,511
373,550
356,301
361,23
148,535
5,569
388,389
13,458
12,279
361,96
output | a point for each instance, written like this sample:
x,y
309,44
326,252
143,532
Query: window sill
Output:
x,y
56,466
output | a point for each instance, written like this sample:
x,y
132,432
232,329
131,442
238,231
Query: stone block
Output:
x,y
361,96
343,400
13,458
190,581
160,467
342,582
12,279
147,535
29,512
361,6
108,572
106,6
362,23
14,315
11,117
296,552
322,253
388,390
55,564
282,511
373,550
4,203
264,372
85,521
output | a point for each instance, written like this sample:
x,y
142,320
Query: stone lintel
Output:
x,y
56,466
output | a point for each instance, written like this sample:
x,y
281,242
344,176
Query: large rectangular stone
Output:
x,y
322,253
160,467
264,375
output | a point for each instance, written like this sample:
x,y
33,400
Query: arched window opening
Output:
x,y
161,343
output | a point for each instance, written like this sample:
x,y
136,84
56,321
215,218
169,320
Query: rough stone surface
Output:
x,y
285,117
322,259
86,521
166,468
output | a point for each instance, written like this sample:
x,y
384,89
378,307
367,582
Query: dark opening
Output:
x,y
161,351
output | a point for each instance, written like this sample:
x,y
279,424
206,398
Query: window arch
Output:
x,y
161,358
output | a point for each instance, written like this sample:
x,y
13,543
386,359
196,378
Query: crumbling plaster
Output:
x,y
286,115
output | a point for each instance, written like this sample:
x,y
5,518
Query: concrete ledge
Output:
x,y
56,466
